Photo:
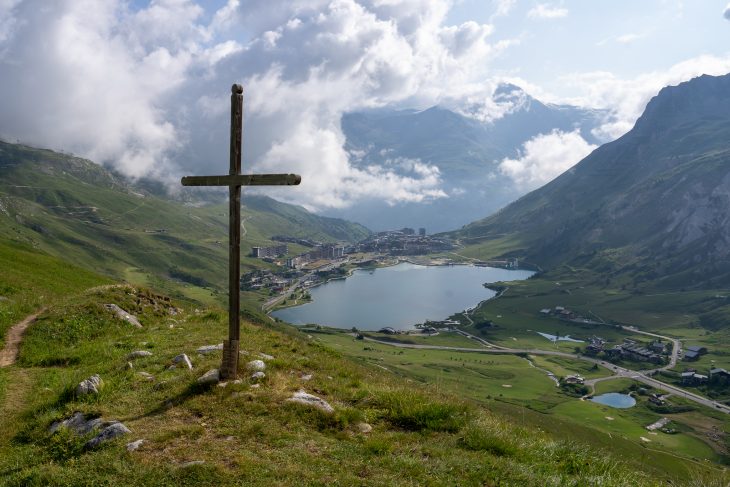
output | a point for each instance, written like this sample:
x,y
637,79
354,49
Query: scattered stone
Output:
x,y
139,353
257,376
256,365
89,386
222,385
160,385
266,356
146,376
213,376
645,439
255,386
184,360
302,397
82,426
76,423
507,385
110,432
134,445
173,311
364,428
123,315
306,377
194,462
206,349
172,367
130,366
238,381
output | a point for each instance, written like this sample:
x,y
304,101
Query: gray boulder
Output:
x,y
183,360
257,376
256,366
123,315
92,385
206,349
113,430
211,377
302,397
134,445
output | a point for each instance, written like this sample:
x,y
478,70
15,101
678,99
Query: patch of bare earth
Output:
x,y
9,353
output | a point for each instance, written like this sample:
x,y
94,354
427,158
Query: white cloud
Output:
x,y
502,8
544,157
146,90
628,38
547,11
726,13
627,98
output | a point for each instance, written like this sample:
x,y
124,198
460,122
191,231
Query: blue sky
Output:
x,y
143,85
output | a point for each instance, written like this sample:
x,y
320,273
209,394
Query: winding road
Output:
x,y
618,371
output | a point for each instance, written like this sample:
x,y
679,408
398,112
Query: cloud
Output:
x,y
726,13
547,11
544,157
147,90
627,98
628,38
502,8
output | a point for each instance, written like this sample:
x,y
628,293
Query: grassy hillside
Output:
x,y
74,209
241,434
649,209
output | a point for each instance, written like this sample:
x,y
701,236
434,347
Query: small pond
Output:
x,y
615,400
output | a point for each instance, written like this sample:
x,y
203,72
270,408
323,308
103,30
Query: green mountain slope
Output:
x,y
248,433
652,207
75,209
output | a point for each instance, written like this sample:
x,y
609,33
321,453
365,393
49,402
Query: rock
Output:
x,y
89,386
266,356
139,353
302,397
123,315
135,445
76,423
146,376
238,381
257,376
223,384
206,349
110,432
213,376
255,386
306,377
183,359
364,428
194,462
129,366
172,367
256,366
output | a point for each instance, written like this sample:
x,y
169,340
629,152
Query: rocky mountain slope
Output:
x,y
653,205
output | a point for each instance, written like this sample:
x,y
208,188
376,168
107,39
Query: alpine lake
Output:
x,y
399,296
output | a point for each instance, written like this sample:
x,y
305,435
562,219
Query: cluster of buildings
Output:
x,y
630,349
719,376
319,252
270,252
262,279
694,352
559,312
403,242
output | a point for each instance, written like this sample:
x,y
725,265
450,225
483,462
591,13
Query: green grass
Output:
x,y
31,280
421,434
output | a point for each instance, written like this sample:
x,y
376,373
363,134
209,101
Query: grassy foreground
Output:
x,y
245,435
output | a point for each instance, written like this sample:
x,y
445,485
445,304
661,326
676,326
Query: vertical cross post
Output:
x,y
234,180
230,346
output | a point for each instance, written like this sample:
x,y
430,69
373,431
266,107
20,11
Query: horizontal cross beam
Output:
x,y
243,180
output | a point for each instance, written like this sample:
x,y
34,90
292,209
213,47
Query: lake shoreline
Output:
x,y
400,300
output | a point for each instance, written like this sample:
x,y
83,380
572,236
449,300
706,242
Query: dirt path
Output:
x,y
13,338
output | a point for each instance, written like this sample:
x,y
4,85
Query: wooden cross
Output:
x,y
234,180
